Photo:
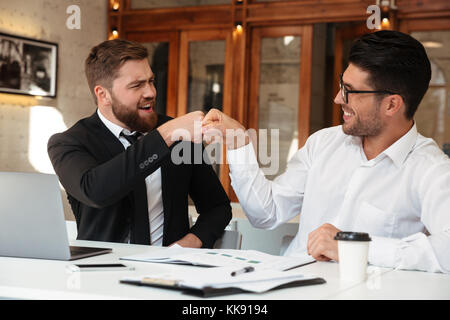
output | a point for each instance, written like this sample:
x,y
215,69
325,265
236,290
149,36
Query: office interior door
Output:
x,y
204,74
205,78
280,92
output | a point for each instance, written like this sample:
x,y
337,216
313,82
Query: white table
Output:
x,y
404,285
46,279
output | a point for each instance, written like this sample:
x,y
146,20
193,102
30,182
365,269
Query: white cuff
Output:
x,y
383,252
418,254
241,157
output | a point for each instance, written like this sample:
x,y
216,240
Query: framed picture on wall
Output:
x,y
28,66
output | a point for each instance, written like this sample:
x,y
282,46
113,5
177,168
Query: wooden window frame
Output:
x,y
304,98
183,68
202,35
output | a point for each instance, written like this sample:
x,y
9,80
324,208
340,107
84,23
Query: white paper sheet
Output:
x,y
257,281
220,258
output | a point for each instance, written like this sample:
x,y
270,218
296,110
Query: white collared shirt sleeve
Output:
x,y
434,191
419,251
266,203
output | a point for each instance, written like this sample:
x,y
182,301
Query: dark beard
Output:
x,y
369,128
131,118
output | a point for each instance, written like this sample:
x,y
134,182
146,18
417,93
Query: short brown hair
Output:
x,y
105,59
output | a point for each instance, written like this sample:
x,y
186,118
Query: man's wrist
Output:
x,y
165,131
237,139
190,241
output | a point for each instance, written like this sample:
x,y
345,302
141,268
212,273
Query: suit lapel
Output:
x,y
111,145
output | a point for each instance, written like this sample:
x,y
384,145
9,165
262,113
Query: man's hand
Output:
x,y
189,241
321,243
187,128
216,125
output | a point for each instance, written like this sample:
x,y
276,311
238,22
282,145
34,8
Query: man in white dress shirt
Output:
x,y
375,173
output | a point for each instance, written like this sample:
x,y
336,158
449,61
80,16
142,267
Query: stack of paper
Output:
x,y
220,278
267,271
220,258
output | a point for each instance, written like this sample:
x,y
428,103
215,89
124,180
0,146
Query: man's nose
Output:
x,y
149,91
338,99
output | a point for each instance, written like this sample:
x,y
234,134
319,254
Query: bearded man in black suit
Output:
x,y
123,188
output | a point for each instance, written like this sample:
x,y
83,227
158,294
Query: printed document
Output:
x,y
217,278
220,258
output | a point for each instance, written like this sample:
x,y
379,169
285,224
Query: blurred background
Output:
x,y
269,64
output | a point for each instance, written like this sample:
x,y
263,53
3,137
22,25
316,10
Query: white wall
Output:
x,y
27,122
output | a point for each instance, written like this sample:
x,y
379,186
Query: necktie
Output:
x,y
131,138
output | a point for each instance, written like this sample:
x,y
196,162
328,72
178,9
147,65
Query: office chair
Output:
x,y
285,242
273,241
230,239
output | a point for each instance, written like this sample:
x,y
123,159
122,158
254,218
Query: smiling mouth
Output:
x,y
347,114
147,107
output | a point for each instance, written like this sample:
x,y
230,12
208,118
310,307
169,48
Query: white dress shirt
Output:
x,y
401,197
153,185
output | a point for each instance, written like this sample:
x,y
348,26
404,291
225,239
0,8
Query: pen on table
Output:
x,y
243,270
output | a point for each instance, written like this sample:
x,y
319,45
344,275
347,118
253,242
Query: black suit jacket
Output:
x,y
102,181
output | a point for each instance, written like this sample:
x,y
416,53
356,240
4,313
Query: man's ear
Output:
x,y
393,104
103,95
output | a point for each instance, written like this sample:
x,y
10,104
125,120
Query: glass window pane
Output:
x,y
433,115
206,75
205,82
153,4
278,99
159,62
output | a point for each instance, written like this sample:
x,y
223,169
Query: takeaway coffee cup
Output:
x,y
353,249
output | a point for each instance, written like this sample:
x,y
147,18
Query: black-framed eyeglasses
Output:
x,y
345,92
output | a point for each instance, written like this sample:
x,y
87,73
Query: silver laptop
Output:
x,y
32,221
